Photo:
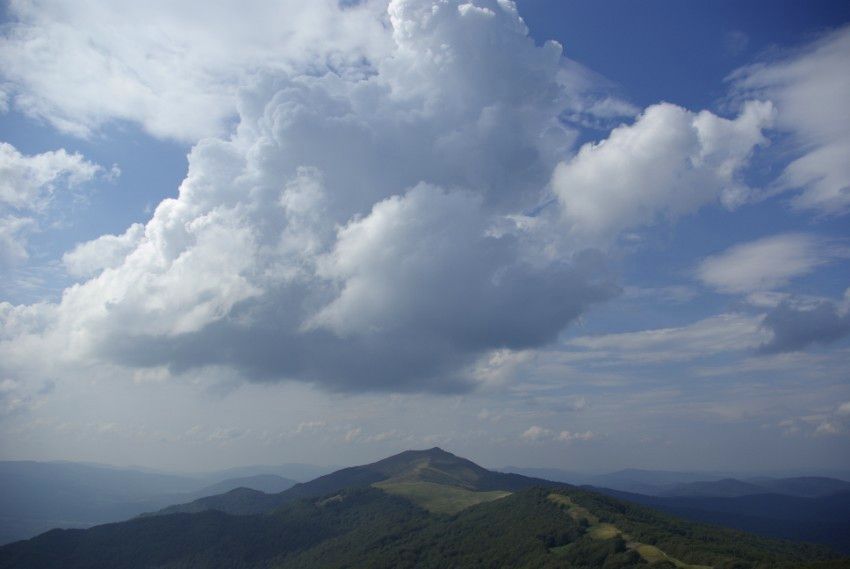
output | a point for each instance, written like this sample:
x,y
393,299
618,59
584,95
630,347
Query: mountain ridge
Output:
x,y
433,465
533,523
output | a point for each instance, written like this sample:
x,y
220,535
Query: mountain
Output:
x,y
268,483
727,487
297,471
38,496
805,487
673,483
822,519
410,471
651,482
417,509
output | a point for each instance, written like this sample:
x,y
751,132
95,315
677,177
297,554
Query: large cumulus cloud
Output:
x,y
384,222
172,68
361,229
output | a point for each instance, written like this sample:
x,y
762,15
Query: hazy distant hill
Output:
x,y
297,471
628,480
824,519
38,496
393,513
672,483
268,483
728,487
809,486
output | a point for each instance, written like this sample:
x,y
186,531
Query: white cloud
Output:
x,y
14,233
567,436
308,426
827,428
17,397
28,182
844,409
767,263
27,187
105,252
535,433
173,69
355,230
710,336
352,434
364,231
668,163
224,435
810,89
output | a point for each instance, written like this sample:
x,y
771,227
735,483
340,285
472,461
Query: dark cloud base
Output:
x,y
265,343
797,328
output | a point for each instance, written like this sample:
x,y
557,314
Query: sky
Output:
x,y
541,233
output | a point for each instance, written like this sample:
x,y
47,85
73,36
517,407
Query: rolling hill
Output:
x,y
269,483
38,496
434,466
823,519
672,483
416,509
804,487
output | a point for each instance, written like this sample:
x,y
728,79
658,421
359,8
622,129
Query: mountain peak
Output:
x,y
435,451
431,465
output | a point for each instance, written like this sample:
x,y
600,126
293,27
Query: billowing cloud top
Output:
x,y
361,229
383,221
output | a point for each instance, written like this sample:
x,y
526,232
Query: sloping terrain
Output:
x,y
728,487
38,496
520,524
268,483
369,527
823,520
805,486
440,498
434,465
669,483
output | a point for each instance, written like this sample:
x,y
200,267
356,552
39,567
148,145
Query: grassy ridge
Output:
x,y
439,498
369,527
605,531
418,509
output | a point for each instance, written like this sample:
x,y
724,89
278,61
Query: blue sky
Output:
x,y
583,235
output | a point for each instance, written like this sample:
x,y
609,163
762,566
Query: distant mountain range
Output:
x,y
670,483
806,487
436,468
415,509
38,496
808,508
823,519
